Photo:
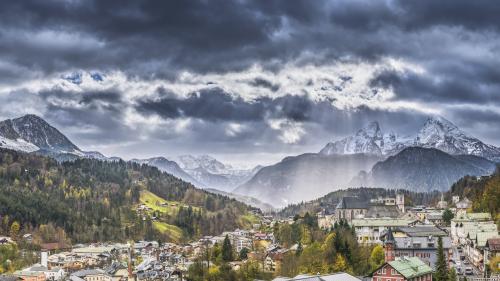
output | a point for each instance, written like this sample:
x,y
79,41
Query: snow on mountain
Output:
x,y
170,167
212,173
17,144
368,140
437,132
440,133
31,133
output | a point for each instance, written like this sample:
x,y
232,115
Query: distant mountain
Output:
x,y
437,132
368,140
305,177
170,167
250,201
211,173
30,133
423,169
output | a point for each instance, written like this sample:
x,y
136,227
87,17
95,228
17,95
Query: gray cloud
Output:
x,y
455,43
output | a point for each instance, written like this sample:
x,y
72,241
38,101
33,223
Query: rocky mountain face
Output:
x,y
211,173
305,177
170,167
437,132
423,169
31,133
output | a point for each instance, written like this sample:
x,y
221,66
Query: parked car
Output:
x,y
459,270
469,271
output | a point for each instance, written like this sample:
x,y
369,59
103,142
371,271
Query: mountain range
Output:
x,y
432,159
33,134
435,157
437,132
202,171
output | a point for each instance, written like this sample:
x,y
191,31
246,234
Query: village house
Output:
x,y
370,230
91,275
403,269
30,275
339,276
491,250
468,225
418,241
50,274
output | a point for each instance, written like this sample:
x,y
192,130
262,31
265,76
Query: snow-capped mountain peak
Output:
x,y
368,140
36,131
437,132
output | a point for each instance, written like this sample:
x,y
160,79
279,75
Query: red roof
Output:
x,y
493,244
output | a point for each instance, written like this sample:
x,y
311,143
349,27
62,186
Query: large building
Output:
x,y
370,230
350,208
417,241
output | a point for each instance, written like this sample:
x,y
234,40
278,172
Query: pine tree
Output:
x,y
227,250
441,273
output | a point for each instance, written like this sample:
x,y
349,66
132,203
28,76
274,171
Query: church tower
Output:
x,y
400,202
389,245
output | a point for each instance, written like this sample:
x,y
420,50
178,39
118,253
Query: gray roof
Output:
x,y
86,272
349,202
9,278
421,231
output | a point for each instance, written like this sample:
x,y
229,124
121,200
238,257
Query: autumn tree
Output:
x,y
377,257
14,230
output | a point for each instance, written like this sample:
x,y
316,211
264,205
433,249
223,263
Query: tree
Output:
x,y
441,273
227,250
14,229
495,264
299,249
448,216
244,254
452,275
377,257
340,264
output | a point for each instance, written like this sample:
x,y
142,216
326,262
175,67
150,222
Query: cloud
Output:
x,y
259,76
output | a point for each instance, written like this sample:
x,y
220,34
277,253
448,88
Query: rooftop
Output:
x,y
340,276
350,202
382,222
421,231
410,267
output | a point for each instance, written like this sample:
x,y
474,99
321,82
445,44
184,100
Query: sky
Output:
x,y
248,82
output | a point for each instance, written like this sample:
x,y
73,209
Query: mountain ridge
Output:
x,y
436,132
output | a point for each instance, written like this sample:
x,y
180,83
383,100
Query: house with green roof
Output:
x,y
403,269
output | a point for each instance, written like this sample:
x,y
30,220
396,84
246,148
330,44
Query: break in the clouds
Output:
x,y
253,80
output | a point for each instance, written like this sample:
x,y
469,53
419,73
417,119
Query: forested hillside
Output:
x,y
484,192
91,200
330,201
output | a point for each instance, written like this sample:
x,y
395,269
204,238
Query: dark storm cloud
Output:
x,y
217,105
453,83
456,42
157,38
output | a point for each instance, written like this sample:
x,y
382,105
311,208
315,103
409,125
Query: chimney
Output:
x,y
44,259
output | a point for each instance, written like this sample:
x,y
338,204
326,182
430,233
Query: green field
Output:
x,y
157,203
172,231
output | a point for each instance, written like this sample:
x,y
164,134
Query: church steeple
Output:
x,y
389,245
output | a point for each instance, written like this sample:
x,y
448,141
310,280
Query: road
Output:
x,y
462,264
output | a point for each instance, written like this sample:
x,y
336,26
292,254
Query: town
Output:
x,y
410,237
